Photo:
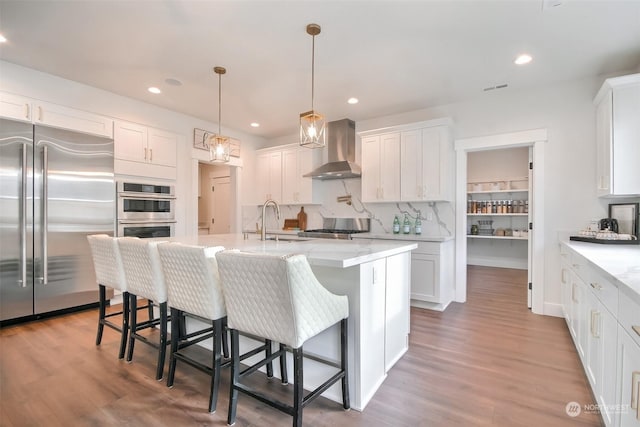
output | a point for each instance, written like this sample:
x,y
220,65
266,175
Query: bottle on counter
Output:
x,y
418,225
406,225
396,225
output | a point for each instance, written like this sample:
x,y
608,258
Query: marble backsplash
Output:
x,y
437,218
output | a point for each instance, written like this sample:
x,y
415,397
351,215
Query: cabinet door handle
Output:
x,y
39,113
596,286
563,276
145,153
150,154
595,323
573,293
27,111
635,390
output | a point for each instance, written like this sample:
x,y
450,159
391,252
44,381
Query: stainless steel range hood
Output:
x,y
341,146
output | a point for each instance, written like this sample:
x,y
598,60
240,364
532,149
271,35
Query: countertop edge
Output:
x,y
402,237
627,280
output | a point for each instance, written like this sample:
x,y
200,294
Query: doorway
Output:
x,y
534,140
214,199
497,211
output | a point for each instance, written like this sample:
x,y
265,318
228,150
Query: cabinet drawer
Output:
x,y
629,316
580,266
431,248
604,290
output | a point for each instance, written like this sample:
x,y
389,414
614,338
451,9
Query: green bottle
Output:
x,y
406,225
418,226
396,225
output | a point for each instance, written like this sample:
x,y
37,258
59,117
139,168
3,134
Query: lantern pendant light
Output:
x,y
219,146
312,128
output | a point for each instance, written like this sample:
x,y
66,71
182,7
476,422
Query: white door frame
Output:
x,y
531,138
235,167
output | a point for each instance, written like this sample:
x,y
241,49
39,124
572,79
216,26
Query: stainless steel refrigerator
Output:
x,y
56,187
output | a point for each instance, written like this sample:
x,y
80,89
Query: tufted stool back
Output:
x,y
192,279
107,261
277,297
142,268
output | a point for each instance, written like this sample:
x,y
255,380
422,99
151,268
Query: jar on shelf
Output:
x,y
509,206
494,206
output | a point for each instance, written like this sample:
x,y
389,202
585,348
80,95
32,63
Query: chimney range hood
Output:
x,y
341,146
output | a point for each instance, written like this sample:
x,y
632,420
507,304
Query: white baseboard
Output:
x,y
520,264
429,305
553,309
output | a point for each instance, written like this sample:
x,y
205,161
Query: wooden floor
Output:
x,y
489,362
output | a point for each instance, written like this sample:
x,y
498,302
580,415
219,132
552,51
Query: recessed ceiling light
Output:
x,y
154,89
255,125
3,39
352,100
523,59
173,82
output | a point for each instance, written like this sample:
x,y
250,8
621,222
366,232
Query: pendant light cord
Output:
x,y
219,103
313,62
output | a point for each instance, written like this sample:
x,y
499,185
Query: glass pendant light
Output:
x,y
312,129
219,146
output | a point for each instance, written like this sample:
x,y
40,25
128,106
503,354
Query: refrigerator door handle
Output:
x,y
23,220
45,213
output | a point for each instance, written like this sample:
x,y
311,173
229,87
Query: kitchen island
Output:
x,y
376,278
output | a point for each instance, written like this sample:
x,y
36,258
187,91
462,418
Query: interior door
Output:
x,y
220,207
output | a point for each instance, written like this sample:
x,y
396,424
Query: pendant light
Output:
x,y
312,129
219,146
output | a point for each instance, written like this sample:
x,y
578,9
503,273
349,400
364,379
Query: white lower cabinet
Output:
x,y
432,275
629,374
601,318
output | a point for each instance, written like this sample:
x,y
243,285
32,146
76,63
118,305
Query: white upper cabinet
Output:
x,y
162,147
269,176
15,107
144,151
426,164
381,168
618,136
279,174
25,109
409,163
296,188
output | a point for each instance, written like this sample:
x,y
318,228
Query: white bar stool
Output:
x,y
110,274
193,288
144,277
279,298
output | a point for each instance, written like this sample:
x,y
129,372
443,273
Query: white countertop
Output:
x,y
622,262
403,237
320,252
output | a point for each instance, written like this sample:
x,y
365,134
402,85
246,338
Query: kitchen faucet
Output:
x,y
263,232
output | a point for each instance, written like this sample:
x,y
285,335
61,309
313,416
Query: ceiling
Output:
x,y
395,56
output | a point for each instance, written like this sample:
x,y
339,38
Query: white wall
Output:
x,y
31,83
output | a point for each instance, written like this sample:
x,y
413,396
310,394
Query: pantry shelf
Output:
x,y
474,236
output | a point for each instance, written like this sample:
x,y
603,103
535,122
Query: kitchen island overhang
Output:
x,y
376,278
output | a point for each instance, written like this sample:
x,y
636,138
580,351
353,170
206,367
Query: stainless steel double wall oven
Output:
x,y
146,210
